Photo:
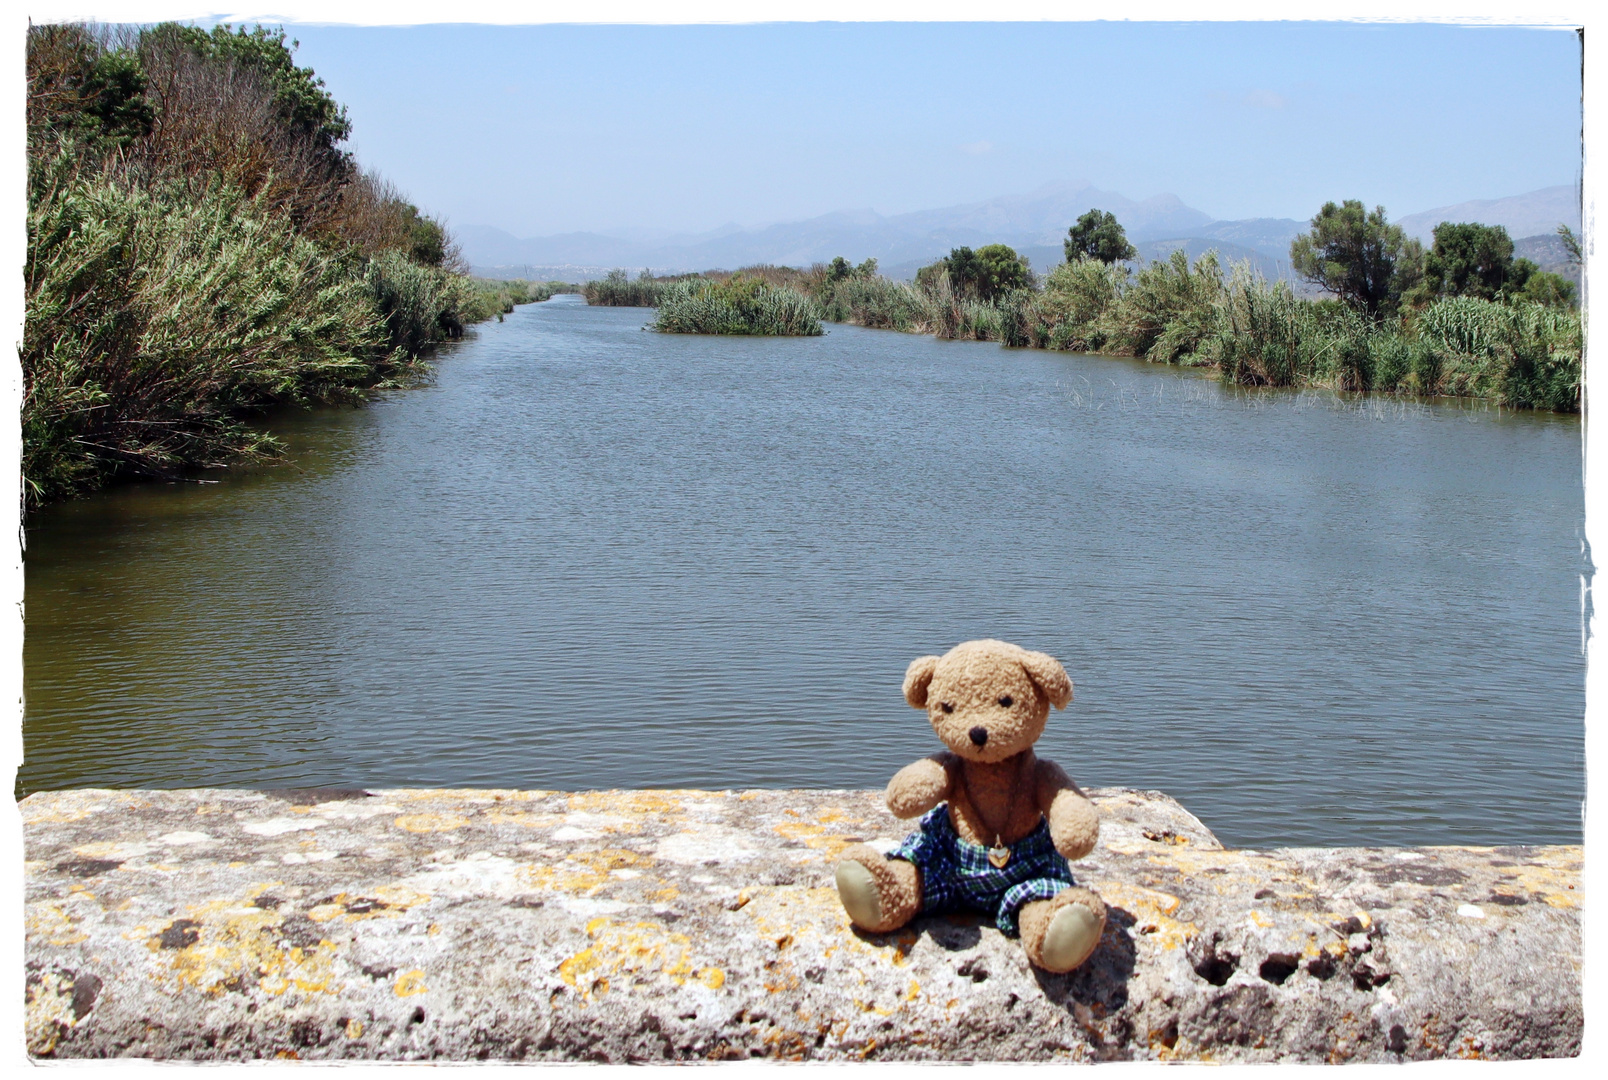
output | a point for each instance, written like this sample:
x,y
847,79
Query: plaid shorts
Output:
x,y
956,874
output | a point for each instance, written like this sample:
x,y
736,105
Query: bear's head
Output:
x,y
987,700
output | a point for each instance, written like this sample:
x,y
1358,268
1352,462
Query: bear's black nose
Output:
x,y
979,735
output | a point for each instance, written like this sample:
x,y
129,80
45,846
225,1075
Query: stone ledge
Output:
x,y
653,925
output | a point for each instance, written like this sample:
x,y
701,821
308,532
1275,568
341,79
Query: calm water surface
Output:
x,y
589,556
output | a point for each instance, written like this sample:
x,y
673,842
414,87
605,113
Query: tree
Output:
x,y
298,94
841,269
1097,235
1357,255
78,87
1551,290
1469,259
985,273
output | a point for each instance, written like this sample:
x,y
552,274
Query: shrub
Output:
x,y
152,319
618,290
878,303
422,305
1524,355
985,274
1070,313
1256,333
1168,310
738,305
200,247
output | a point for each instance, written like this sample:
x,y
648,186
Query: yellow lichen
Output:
x,y
583,872
633,803
633,954
829,843
431,823
46,920
235,942
1150,907
48,1012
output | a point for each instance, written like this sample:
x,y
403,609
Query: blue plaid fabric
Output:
x,y
956,874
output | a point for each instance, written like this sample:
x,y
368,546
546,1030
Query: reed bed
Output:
x,y
1518,353
200,248
620,290
737,305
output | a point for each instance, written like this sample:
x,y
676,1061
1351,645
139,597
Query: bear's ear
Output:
x,y
1048,675
917,676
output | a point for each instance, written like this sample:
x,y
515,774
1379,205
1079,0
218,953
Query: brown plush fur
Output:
x,y
1034,918
898,886
988,701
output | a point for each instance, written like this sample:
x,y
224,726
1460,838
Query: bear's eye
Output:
x,y
946,707
1006,701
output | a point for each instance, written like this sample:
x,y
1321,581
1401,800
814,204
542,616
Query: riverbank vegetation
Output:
x,y
201,247
618,289
740,304
1463,317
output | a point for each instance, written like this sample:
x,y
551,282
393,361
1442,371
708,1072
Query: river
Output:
x,y
590,556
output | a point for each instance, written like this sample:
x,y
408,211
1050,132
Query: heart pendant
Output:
x,y
999,856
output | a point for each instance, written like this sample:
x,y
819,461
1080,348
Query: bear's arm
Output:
x,y
1074,822
919,786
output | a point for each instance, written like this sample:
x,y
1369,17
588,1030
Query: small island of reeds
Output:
x,y
741,304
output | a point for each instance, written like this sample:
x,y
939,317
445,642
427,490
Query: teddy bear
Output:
x,y
998,824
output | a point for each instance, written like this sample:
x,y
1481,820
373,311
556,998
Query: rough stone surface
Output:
x,y
652,925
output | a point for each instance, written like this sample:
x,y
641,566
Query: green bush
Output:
x,y
1256,334
492,299
1167,312
199,247
152,321
618,290
879,303
1524,355
1070,313
738,305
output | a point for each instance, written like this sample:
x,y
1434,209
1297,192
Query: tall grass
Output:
x,y
619,290
1070,313
153,320
1522,355
738,305
881,304
1526,355
1255,333
199,248
1168,311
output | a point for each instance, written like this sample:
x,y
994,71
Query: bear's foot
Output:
x,y
1062,932
879,893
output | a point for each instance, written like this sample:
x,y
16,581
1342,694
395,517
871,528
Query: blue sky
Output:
x,y
546,129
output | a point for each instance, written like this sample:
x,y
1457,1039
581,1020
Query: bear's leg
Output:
x,y
1061,932
879,893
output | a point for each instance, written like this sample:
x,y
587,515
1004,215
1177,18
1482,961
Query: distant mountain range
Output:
x,y
1034,224
1535,213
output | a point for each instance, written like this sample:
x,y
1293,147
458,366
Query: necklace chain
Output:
x,y
1010,805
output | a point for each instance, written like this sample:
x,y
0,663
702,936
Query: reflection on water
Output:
x,y
589,556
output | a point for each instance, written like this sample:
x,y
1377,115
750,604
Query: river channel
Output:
x,y
589,556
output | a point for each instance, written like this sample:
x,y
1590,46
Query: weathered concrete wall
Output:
x,y
646,925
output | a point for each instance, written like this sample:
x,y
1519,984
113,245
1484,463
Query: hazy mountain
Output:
x,y
1547,252
1034,224
1270,236
1042,217
1038,218
1531,214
